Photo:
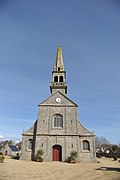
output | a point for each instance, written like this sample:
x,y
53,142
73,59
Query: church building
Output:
x,y
57,131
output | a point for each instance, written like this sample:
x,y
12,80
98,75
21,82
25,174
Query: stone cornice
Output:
x,y
61,135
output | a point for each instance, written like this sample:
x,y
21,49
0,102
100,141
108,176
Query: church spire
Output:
x,y
58,75
59,63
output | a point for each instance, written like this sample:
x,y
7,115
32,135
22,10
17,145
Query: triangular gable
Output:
x,y
63,100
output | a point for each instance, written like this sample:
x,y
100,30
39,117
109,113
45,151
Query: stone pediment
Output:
x,y
58,99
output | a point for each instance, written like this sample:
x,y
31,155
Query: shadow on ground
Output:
x,y
109,169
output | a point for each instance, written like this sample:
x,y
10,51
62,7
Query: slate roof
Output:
x,y
13,148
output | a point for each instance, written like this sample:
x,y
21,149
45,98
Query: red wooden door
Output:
x,y
57,153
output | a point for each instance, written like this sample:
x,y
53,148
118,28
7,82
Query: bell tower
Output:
x,y
58,74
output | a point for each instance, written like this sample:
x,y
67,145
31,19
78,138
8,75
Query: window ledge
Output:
x,y
29,150
57,128
86,151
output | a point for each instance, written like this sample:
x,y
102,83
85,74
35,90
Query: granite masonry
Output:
x,y
57,131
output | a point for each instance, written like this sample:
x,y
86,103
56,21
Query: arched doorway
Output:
x,y
6,153
57,153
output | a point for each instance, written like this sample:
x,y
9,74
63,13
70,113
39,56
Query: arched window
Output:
x,y
86,145
58,120
56,79
30,142
61,79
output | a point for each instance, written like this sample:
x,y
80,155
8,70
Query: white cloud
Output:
x,y
1,136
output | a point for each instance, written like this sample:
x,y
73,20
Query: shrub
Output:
x,y
1,158
115,158
17,156
73,155
98,155
39,155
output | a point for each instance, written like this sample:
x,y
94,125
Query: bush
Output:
x,y
98,155
67,160
39,155
17,156
73,155
115,158
1,158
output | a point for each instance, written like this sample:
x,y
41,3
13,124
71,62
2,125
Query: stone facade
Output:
x,y
57,131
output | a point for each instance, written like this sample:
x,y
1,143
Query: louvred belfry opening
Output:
x,y
59,74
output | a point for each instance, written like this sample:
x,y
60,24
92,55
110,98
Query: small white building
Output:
x,y
10,150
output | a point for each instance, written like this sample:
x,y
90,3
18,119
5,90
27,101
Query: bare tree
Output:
x,y
101,141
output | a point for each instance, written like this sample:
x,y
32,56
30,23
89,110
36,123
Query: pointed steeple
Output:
x,y
59,63
58,75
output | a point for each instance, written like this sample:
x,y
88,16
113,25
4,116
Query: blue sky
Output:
x,y
89,34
